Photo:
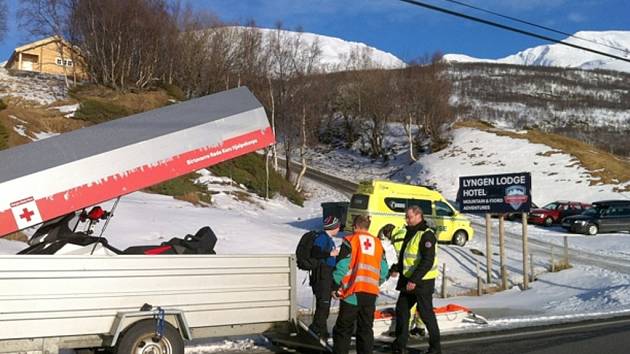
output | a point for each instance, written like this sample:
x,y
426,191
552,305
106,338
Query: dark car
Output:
x,y
604,216
553,213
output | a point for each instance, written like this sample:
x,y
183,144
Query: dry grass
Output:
x,y
559,266
604,167
140,101
16,236
34,118
195,199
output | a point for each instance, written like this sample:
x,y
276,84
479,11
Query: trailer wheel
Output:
x,y
140,338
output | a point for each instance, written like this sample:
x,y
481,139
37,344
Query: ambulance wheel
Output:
x,y
460,238
140,338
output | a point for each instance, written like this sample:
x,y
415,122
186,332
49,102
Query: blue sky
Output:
x,y
405,30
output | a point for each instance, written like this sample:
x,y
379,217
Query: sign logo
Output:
x,y
26,213
515,196
367,245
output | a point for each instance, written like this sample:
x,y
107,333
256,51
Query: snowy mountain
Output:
x,y
564,56
337,54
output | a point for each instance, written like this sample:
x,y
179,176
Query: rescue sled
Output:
x,y
450,317
46,179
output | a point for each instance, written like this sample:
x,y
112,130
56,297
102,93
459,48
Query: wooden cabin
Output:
x,y
51,55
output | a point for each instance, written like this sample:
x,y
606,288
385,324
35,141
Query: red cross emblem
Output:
x,y
26,214
367,244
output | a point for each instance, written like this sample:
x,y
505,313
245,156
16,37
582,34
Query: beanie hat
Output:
x,y
331,222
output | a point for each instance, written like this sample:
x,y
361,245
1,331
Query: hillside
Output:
x,y
562,168
592,106
558,55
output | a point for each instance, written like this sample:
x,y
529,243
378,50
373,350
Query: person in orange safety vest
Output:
x,y
361,268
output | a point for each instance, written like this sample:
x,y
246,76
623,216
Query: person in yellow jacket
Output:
x,y
417,270
361,268
396,237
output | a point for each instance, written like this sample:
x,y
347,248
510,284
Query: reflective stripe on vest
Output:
x,y
412,258
365,265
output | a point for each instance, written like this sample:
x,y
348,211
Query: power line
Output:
x,y
534,24
513,29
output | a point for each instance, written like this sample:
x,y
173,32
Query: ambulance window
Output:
x,y
425,205
442,209
359,201
396,204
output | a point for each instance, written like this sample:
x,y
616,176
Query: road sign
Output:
x,y
495,194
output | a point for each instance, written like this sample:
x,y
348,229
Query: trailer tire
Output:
x,y
140,338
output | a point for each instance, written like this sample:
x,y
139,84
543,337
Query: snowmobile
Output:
x,y
61,236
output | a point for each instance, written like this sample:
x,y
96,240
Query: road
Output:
x,y
606,336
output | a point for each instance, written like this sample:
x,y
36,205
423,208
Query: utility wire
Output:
x,y
534,25
513,29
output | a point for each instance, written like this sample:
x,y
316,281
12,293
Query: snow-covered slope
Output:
x,y
336,52
564,56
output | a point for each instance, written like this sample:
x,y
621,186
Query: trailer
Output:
x,y
134,303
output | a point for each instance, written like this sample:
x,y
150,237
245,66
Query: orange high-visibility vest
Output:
x,y
365,265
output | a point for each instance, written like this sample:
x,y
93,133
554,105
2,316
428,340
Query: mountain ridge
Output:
x,y
559,55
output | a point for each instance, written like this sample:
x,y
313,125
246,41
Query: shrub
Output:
x,y
175,92
184,188
96,111
249,170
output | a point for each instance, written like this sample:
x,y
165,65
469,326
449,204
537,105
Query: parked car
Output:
x,y
553,213
604,216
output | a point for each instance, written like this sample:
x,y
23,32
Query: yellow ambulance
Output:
x,y
385,203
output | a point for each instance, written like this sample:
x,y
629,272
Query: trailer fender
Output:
x,y
124,320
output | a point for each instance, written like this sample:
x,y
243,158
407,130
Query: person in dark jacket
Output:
x,y
417,270
321,279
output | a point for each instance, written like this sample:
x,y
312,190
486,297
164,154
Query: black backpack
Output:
x,y
303,252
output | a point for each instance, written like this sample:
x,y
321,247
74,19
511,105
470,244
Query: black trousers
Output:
x,y
423,296
322,289
361,314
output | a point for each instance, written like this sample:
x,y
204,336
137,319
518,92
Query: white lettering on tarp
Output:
x,y
222,151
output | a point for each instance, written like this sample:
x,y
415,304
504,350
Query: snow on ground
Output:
x,y
68,109
41,89
11,247
259,226
22,130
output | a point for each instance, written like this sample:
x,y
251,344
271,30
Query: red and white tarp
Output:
x,y
45,179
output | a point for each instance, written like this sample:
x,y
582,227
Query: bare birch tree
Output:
x,y
50,18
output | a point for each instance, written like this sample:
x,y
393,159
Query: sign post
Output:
x,y
488,249
498,194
